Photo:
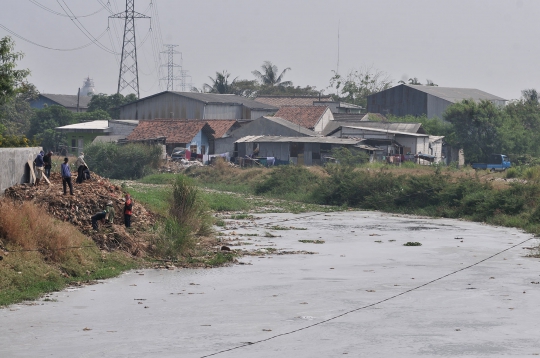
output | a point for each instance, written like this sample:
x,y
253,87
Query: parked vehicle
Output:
x,y
178,153
496,162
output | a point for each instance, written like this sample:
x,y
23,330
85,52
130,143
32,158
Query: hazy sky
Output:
x,y
491,45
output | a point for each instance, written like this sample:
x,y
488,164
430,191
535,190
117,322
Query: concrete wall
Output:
x,y
13,163
325,119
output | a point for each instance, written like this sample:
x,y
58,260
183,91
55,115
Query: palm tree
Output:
x,y
220,84
269,76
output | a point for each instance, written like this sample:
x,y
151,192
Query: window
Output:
x,y
73,144
193,148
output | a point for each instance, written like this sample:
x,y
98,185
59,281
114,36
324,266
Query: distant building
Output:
x,y
281,101
327,101
295,150
311,117
193,105
88,88
81,134
67,101
266,126
431,101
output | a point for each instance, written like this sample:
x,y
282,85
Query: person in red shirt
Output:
x,y
128,210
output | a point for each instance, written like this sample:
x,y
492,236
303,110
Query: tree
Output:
x,y
110,103
220,84
530,96
44,121
480,128
414,81
359,84
15,114
12,81
269,76
431,83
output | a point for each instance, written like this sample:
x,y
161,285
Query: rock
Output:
x,y
225,248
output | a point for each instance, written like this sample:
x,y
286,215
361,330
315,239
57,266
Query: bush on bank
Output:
x,y
130,161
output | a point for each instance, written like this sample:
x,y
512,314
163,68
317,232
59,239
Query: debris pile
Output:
x,y
90,198
179,166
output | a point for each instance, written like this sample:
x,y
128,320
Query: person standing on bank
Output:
x,y
81,166
66,176
39,167
128,210
47,160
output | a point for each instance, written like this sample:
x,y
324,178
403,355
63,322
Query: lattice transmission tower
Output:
x,y
129,72
181,76
171,66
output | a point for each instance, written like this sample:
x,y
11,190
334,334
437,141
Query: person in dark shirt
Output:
x,y
39,167
98,217
47,161
66,176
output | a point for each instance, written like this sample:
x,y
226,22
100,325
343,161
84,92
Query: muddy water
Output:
x,y
488,310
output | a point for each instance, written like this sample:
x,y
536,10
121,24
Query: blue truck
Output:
x,y
496,163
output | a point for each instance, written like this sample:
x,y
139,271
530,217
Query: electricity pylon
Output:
x,y
129,72
170,67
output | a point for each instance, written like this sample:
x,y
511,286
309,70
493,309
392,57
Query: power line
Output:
x,y
85,31
60,14
52,48
366,306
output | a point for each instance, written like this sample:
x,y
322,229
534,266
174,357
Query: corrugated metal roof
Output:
x,y
214,98
290,125
101,125
210,98
68,100
380,130
279,101
332,126
176,131
455,95
274,139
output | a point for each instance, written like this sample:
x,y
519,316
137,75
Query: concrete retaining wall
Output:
x,y
13,168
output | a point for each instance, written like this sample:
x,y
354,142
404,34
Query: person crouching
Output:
x,y
99,217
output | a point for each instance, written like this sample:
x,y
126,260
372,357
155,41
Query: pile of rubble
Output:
x,y
90,198
179,166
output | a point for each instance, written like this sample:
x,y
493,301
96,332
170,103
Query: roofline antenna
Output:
x,y
337,67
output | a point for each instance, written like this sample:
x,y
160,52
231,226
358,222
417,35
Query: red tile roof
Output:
x,y
305,116
175,130
222,126
280,101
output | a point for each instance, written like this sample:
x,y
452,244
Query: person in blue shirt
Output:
x,y
66,176
39,167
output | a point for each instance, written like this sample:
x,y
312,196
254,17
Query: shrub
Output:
x,y
173,239
130,161
346,156
188,207
288,181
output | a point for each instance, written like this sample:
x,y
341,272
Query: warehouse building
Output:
x,y
431,101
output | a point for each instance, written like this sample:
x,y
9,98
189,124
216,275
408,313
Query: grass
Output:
x,y
63,255
312,241
163,178
409,243
225,201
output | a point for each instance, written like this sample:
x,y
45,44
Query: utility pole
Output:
x,y
170,67
129,72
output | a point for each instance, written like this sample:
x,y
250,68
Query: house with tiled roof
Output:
x,y
195,136
311,117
